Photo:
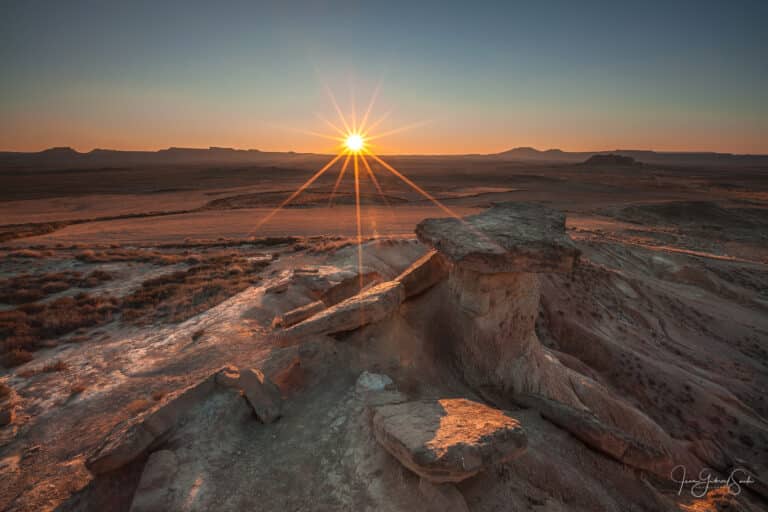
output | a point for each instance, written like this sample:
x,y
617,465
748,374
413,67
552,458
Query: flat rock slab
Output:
x,y
423,274
372,305
508,237
448,440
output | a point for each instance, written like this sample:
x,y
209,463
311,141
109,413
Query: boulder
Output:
x,y
508,237
154,492
368,382
262,394
423,274
369,306
447,440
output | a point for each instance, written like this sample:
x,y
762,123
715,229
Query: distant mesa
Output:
x,y
611,159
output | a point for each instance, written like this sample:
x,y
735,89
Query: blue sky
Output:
x,y
473,77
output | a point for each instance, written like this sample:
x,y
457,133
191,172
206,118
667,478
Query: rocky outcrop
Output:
x,y
488,319
371,305
493,294
154,491
447,440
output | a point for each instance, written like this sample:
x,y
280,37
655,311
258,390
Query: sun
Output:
x,y
354,142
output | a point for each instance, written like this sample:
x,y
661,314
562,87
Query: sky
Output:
x,y
453,77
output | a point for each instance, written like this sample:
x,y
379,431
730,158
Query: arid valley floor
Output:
x,y
127,286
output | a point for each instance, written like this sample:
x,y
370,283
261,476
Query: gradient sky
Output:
x,y
484,76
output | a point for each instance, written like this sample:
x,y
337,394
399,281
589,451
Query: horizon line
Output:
x,y
292,151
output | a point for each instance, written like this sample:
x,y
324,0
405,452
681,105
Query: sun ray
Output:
x,y
321,135
413,185
354,106
338,130
359,223
376,123
297,192
374,180
338,180
338,109
368,110
398,130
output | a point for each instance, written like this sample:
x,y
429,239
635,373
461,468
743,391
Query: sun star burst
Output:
x,y
355,147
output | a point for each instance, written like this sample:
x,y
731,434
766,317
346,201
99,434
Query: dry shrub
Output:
x,y
5,391
26,327
26,288
137,406
181,295
91,256
26,253
16,357
55,366
77,388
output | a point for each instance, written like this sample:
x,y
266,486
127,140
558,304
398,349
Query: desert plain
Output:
x,y
163,349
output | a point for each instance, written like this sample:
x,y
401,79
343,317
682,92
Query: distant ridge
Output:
x,y
529,154
68,158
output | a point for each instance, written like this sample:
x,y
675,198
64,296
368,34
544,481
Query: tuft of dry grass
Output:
x,y
77,388
55,366
112,255
136,406
27,253
16,357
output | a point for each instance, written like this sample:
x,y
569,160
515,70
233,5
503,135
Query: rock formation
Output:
x,y
488,327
